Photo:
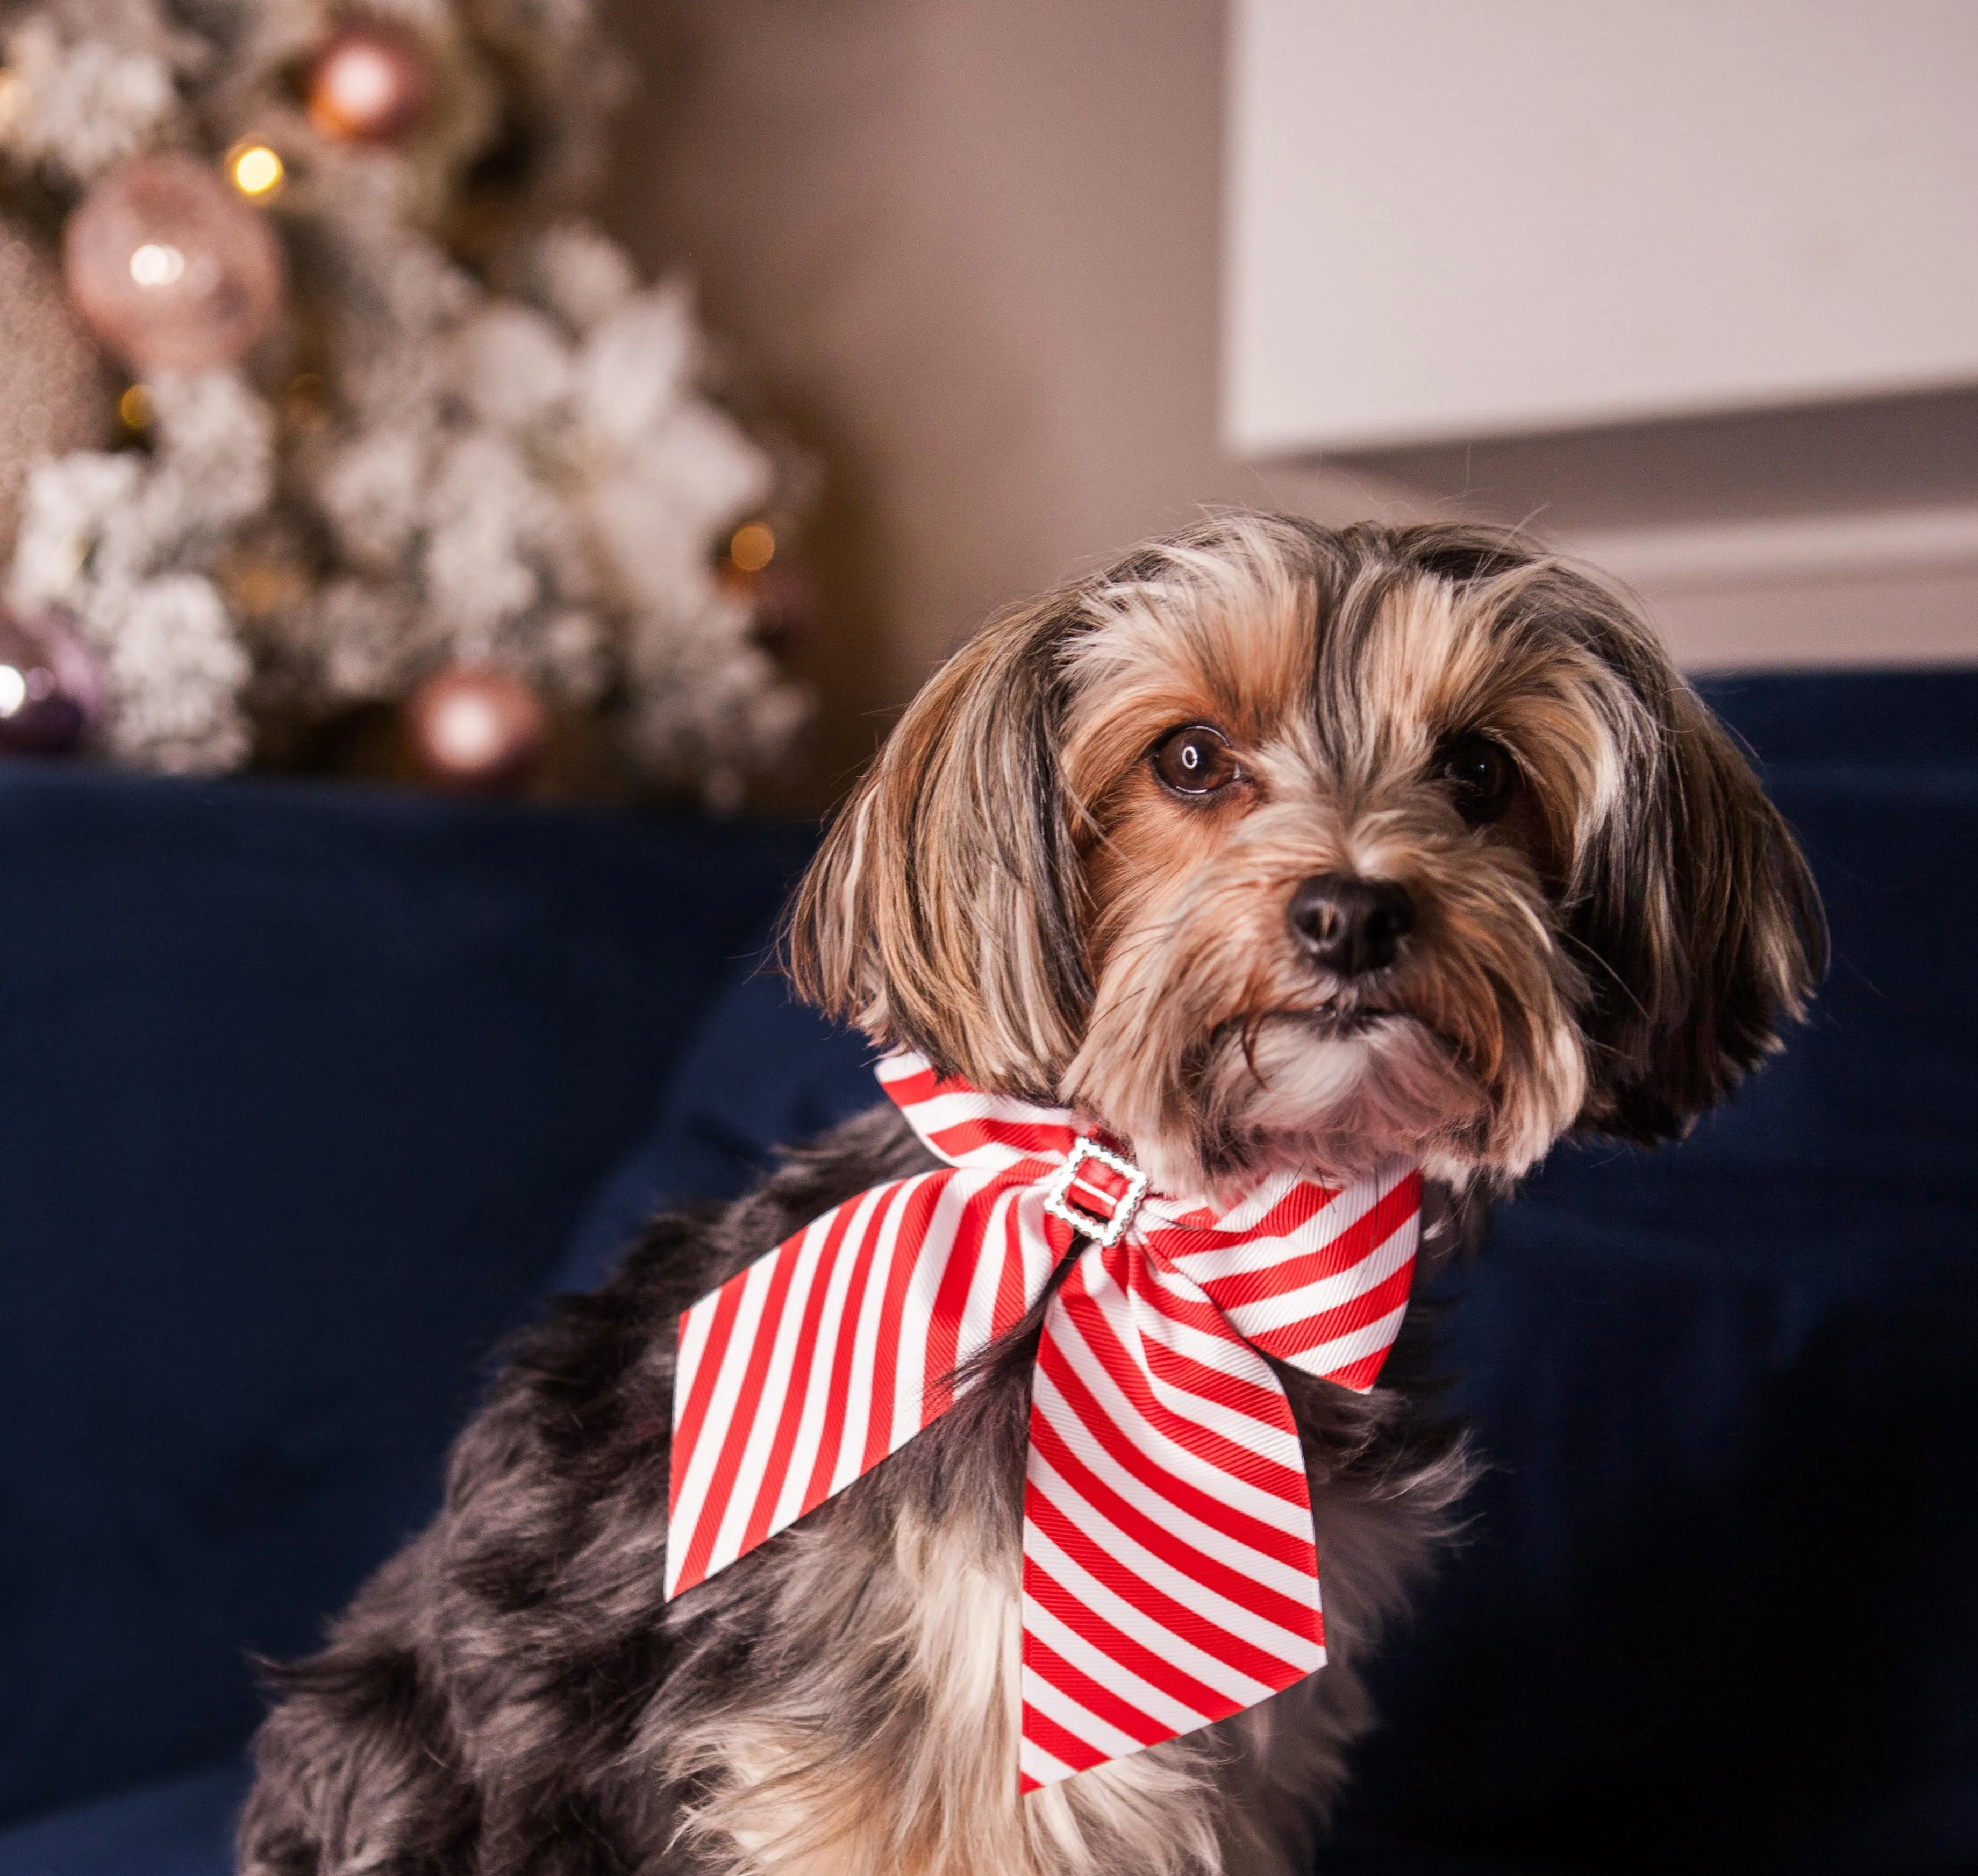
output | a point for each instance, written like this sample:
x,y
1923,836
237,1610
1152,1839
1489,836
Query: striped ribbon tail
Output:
x,y
800,1374
1170,1574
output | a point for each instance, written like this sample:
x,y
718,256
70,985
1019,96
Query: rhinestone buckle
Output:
x,y
1107,1230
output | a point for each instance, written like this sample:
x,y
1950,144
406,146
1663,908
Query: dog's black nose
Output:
x,y
1351,925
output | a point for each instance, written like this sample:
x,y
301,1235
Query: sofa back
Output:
x,y
301,1092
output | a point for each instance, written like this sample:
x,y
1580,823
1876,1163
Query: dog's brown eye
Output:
x,y
1194,761
1482,776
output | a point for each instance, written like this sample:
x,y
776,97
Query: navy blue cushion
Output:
x,y
174,1827
764,1071
302,1093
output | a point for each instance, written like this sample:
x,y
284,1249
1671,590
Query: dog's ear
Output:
x,y
1699,921
944,912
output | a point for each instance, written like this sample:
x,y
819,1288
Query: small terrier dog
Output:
x,y
1271,848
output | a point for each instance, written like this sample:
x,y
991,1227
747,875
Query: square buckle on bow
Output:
x,y
1107,1228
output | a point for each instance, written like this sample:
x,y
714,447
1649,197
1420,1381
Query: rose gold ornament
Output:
x,y
169,268
372,83
474,727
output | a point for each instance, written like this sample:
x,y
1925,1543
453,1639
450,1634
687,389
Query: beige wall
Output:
x,y
968,250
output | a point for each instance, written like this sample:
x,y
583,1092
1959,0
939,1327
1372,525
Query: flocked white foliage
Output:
x,y
114,539
90,81
175,666
534,478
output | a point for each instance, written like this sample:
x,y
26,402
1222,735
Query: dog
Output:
x,y
1271,850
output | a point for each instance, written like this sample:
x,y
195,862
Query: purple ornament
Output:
x,y
50,687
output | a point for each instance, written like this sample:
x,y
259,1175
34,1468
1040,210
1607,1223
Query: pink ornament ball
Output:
x,y
474,728
169,268
50,688
372,83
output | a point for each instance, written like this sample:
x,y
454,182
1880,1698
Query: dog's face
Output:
x,y
1281,847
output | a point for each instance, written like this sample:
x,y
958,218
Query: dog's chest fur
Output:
x,y
512,1693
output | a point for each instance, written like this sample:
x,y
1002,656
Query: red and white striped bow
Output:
x,y
1169,1574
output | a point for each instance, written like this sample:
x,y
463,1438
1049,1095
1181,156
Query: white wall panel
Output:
x,y
1453,218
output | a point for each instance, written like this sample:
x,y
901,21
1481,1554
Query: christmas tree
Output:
x,y
322,407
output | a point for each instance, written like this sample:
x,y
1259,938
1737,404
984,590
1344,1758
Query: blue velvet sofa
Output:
x,y
305,1095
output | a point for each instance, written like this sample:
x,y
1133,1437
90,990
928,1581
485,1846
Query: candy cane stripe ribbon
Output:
x,y
1170,1577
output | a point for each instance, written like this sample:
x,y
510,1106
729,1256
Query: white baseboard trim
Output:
x,y
1655,560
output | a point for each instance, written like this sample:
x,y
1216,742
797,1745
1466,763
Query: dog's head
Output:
x,y
1274,846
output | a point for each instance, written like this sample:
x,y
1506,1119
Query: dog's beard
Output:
x,y
1334,1092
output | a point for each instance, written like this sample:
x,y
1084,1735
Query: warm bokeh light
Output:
x,y
156,263
258,585
753,548
255,169
468,731
134,407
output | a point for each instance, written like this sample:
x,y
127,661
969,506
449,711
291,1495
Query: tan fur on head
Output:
x,y
1013,891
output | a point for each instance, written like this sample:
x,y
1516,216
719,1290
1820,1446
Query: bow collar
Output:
x,y
1170,1577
